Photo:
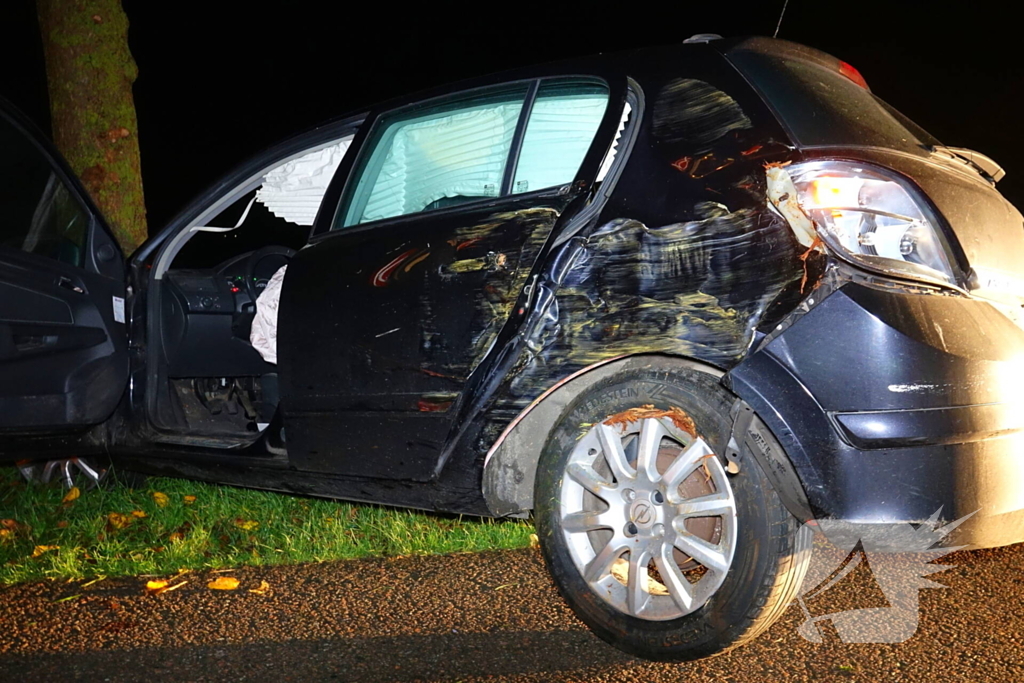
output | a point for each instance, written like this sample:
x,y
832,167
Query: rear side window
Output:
x,y
438,155
822,108
563,122
39,213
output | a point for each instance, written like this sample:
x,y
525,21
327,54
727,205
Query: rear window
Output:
x,y
822,108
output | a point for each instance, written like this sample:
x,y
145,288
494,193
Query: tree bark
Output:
x,y
90,71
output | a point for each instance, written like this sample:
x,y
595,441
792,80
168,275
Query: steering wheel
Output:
x,y
252,263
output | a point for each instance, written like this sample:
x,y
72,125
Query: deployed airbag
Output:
x,y
263,335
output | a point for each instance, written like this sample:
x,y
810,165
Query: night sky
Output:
x,y
220,81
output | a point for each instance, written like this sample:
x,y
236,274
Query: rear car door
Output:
x,y
418,264
63,341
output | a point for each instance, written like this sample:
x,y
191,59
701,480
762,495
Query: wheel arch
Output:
x,y
510,466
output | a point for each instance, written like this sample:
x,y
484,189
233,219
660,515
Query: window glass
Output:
x,y
430,157
563,121
824,108
39,213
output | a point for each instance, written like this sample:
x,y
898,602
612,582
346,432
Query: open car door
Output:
x,y
63,339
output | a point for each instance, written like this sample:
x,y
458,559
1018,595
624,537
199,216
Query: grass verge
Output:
x,y
172,524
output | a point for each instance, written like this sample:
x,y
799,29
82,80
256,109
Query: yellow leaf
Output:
x,y
189,500
6,533
534,541
223,583
247,524
139,514
159,587
160,499
118,521
262,590
40,549
72,495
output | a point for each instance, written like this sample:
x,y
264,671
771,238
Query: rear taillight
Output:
x,y
854,75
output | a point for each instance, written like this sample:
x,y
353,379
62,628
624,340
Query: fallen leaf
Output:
x,y
162,586
176,536
681,420
247,524
262,590
89,583
9,524
189,500
6,533
160,499
72,495
62,524
40,549
223,583
118,521
139,514
534,541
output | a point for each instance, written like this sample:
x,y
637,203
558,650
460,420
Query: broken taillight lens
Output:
x,y
873,218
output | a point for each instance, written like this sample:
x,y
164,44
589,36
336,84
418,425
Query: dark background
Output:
x,y
220,81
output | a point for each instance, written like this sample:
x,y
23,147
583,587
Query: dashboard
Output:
x,y
207,315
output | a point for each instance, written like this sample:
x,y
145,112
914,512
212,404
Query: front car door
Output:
x,y
63,342
417,265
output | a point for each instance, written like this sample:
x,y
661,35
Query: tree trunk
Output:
x,y
90,72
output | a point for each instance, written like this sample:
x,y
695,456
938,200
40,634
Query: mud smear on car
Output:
x,y
480,251
695,289
696,113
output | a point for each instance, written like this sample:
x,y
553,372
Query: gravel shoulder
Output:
x,y
471,617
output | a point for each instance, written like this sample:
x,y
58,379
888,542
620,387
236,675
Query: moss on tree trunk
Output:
x,y
90,72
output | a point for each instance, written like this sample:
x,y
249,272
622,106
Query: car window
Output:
x,y
438,155
563,122
40,214
823,108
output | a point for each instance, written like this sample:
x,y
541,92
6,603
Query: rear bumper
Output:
x,y
894,406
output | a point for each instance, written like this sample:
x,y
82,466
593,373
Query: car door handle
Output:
x,y
491,262
66,283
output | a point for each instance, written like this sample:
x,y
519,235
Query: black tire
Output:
x,y
772,548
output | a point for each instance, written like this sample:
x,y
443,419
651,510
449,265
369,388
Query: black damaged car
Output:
x,y
673,302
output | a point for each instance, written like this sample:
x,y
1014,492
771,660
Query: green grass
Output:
x,y
223,527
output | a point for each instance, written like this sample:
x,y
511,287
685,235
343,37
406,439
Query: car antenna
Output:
x,y
785,4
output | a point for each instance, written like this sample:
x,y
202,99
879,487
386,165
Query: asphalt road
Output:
x,y
481,617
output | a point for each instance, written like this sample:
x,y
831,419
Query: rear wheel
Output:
x,y
652,543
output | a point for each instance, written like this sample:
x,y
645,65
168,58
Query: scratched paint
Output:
x,y
481,250
695,113
695,289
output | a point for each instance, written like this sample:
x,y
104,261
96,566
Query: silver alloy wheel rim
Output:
x,y
644,518
81,472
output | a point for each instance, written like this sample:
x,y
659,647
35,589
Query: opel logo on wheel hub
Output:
x,y
642,514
